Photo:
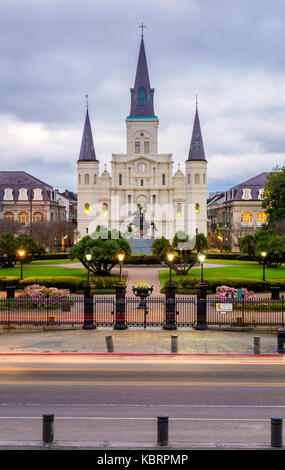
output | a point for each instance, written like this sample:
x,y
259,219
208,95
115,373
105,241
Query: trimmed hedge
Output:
x,y
249,284
72,283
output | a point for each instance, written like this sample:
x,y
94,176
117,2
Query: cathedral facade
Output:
x,y
142,197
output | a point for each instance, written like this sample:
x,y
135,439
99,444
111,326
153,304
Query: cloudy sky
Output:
x,y
54,52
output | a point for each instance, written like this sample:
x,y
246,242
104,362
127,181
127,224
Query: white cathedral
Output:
x,y
142,187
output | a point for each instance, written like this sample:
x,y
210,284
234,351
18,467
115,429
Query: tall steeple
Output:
x,y
87,151
142,93
196,151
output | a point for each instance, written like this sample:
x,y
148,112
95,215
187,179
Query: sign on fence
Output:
x,y
224,308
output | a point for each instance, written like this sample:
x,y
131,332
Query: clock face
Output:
x,y
141,167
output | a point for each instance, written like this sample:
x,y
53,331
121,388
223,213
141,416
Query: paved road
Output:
x,y
210,401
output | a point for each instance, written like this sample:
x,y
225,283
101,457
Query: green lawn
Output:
x,y
54,261
30,270
231,272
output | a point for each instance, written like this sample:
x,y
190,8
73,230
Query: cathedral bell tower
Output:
x,y
87,179
196,181
142,124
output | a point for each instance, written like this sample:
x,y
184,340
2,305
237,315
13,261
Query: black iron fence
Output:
x,y
132,311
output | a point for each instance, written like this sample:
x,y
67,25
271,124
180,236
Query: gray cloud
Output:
x,y
54,52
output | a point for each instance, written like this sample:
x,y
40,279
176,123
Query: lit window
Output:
x,y
197,208
246,218
37,217
105,210
179,210
86,208
9,216
23,218
261,218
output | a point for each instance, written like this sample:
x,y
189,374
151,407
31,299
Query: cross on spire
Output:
x,y
142,26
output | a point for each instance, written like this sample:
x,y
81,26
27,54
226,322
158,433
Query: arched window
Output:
x,y
246,218
204,178
142,96
86,179
23,218
141,182
261,218
197,208
86,208
37,217
137,147
197,178
163,179
105,210
79,179
120,179
146,146
95,179
179,209
188,178
9,216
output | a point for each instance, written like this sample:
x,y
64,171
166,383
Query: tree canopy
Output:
x,y
9,246
274,195
186,250
105,245
268,241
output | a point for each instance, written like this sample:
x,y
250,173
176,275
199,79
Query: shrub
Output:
x,y
72,283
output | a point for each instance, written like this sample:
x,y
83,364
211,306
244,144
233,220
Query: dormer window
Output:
x,y
142,96
8,194
246,194
38,194
261,193
23,194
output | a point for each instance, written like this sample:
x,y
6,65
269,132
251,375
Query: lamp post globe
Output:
x,y
88,256
121,256
170,256
21,253
263,254
201,258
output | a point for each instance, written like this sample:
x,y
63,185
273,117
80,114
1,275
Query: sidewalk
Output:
x,y
47,340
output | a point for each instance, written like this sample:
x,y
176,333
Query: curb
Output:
x,y
145,354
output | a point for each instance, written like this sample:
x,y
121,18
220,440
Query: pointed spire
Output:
x,y
196,151
87,151
142,93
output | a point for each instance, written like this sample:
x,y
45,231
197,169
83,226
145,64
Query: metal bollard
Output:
x,y
109,342
256,344
48,428
276,431
174,344
162,430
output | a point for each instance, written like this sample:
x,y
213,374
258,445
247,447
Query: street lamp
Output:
x,y
121,256
264,254
201,258
170,257
21,254
88,256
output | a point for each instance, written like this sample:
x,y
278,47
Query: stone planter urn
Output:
x,y
142,290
